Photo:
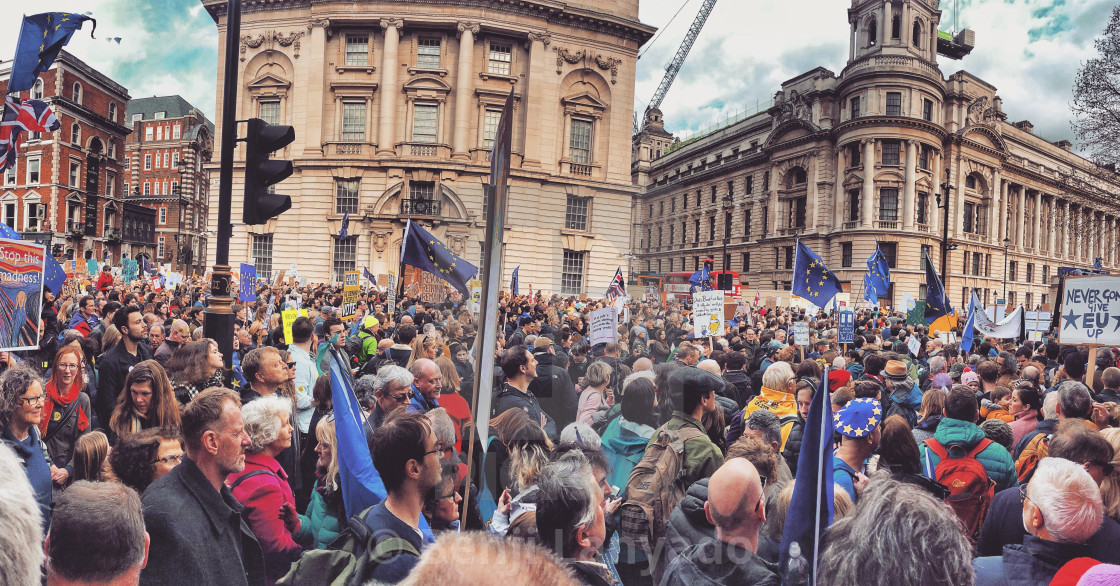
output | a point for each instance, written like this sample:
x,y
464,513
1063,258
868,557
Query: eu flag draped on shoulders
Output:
x,y
811,279
41,37
810,508
880,272
937,302
422,250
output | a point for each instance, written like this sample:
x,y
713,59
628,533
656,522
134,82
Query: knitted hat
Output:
x,y
837,379
969,377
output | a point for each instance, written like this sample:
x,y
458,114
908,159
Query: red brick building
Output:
x,y
66,189
171,140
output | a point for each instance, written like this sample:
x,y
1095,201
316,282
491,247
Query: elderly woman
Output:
x,y
262,487
596,395
147,402
21,410
141,458
193,367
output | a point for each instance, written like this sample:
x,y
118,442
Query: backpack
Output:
x,y
653,490
970,489
1035,450
349,559
892,407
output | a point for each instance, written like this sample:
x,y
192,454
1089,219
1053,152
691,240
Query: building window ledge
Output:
x,y
425,70
355,68
486,75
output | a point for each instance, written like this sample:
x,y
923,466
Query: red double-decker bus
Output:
x,y
676,287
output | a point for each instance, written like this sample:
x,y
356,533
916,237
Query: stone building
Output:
x,y
171,141
65,190
845,162
395,105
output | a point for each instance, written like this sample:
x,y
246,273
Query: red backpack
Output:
x,y
970,489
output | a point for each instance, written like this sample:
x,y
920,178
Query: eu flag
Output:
x,y
423,251
701,280
513,282
880,272
937,303
970,326
342,233
869,291
40,39
811,279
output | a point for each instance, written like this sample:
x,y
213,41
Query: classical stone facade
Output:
x,y
843,162
395,105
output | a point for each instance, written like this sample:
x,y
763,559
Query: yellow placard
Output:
x,y
289,317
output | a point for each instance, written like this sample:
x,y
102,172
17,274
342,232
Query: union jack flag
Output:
x,y
617,287
19,116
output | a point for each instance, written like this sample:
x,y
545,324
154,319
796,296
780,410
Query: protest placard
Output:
x,y
476,295
914,345
281,277
248,288
350,294
604,325
21,293
1089,311
801,333
288,316
847,327
707,313
392,301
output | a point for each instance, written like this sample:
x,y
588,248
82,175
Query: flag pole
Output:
x,y
825,433
400,268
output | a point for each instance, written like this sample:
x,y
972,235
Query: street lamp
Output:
x,y
728,202
181,169
945,246
1006,245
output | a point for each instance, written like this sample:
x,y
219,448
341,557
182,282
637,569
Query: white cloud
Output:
x,y
1029,50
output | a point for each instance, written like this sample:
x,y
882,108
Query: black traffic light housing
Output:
x,y
261,140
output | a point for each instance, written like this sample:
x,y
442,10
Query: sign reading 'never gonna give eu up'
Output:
x,y
1090,311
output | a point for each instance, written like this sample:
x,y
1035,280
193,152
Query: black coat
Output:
x,y
554,390
509,397
1004,526
198,535
1035,561
688,524
742,383
111,371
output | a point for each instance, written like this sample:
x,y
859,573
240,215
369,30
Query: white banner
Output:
x,y
1089,311
707,313
603,324
1009,327
801,333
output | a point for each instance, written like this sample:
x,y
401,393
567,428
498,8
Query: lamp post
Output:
x,y
728,202
945,246
181,169
1006,245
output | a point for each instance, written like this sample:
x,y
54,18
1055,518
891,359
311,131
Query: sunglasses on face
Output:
x,y
403,397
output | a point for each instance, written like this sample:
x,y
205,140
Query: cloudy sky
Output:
x,y
1029,49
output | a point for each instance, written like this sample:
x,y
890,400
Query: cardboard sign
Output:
x,y
392,300
289,317
604,325
476,295
707,313
914,345
801,333
847,327
1089,311
21,293
350,295
280,276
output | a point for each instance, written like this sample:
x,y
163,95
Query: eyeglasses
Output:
x,y
67,366
403,398
438,449
291,364
174,459
36,400
761,493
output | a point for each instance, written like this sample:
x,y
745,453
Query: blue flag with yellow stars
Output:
x,y
423,251
513,281
937,302
40,39
811,279
880,272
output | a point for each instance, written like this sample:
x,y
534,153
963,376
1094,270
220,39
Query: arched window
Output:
x,y
872,33
77,93
37,90
916,37
797,177
896,27
76,134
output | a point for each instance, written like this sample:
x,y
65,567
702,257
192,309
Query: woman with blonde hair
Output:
x,y
1110,487
423,346
147,401
596,394
322,522
529,449
929,415
110,338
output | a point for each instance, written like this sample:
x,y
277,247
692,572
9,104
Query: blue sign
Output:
x,y
847,322
248,282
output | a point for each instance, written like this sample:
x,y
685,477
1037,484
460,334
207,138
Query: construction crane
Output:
x,y
674,66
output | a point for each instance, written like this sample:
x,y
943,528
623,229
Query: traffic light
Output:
x,y
724,281
261,172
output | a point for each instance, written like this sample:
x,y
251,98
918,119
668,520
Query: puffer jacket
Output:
x,y
624,443
322,524
715,562
793,445
926,428
688,525
995,459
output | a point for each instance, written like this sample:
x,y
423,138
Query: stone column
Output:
x,y
1021,216
884,22
1037,221
314,64
993,225
388,89
838,193
958,213
772,196
908,185
464,85
1063,227
1002,232
867,203
935,215
812,198
536,99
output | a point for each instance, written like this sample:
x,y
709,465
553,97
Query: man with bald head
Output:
x,y
737,509
179,334
427,385
641,364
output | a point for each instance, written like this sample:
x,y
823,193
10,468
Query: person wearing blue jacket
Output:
x,y
626,436
958,428
903,395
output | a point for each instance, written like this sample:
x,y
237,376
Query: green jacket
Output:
x,y
995,459
320,526
701,457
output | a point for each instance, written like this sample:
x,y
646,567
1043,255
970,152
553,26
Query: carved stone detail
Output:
x,y
323,22
980,111
269,40
563,55
467,26
458,243
794,108
392,22
611,63
544,37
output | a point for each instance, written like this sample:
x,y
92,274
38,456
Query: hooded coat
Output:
x,y
995,459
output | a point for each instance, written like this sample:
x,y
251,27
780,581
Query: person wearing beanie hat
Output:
x,y
999,431
971,379
838,379
957,370
858,425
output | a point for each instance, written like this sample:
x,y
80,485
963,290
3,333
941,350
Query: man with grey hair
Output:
x,y
21,554
1061,511
97,536
427,385
1111,380
177,335
381,394
570,518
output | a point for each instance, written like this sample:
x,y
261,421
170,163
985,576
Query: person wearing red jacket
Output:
x,y
262,487
105,281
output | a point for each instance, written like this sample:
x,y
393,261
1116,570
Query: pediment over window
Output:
x,y
425,84
269,85
583,100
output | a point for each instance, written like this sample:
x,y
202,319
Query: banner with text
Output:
x,y
1090,311
21,293
707,313
350,294
604,325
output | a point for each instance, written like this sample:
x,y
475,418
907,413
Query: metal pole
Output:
x,y
219,310
945,234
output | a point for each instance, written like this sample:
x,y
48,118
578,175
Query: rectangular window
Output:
x,y
490,127
854,154
845,254
148,130
161,248
765,220
421,189
148,162
923,158
357,49
345,255
110,183
890,152
428,53
696,234
890,250
33,171
10,175
927,110
162,216
10,215
425,119
855,108
353,121
346,196
746,262
270,111
147,188
969,214
672,233
789,258
159,133
1013,271
888,204
727,227
923,207
713,194
926,249
175,132
137,117
159,115
673,205
797,213
262,255
575,215
894,103
571,277
32,217
976,264
500,58
75,174
747,224
750,184
853,205
579,144
1045,276
175,159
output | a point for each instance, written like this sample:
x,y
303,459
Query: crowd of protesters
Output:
x,y
134,455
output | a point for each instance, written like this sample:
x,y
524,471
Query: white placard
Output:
x,y
604,325
914,345
707,313
801,333
1089,311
